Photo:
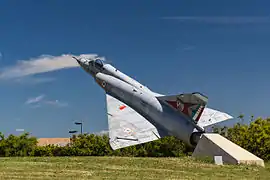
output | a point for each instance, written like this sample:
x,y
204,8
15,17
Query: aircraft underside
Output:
x,y
137,115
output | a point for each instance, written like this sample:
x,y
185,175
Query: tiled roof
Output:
x,y
53,141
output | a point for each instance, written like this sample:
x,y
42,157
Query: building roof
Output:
x,y
53,141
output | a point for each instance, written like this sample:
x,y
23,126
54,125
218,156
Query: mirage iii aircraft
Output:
x,y
138,115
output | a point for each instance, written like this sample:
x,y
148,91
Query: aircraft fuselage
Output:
x,y
146,104
144,101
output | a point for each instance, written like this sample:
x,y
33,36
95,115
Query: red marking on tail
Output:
x,y
176,106
173,103
200,114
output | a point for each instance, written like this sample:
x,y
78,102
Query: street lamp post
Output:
x,y
72,132
72,136
79,123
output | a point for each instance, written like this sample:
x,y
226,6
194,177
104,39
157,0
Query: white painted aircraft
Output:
x,y
138,115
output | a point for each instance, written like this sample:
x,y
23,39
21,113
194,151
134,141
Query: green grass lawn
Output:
x,y
123,168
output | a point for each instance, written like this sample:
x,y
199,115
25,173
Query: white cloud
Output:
x,y
40,100
222,19
188,48
35,99
34,80
56,103
41,64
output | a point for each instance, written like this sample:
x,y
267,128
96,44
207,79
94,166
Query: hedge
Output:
x,y
254,137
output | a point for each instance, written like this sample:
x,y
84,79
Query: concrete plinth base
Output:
x,y
212,144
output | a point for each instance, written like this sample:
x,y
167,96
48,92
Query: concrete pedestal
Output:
x,y
212,144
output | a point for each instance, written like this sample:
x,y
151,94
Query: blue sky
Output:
x,y
218,48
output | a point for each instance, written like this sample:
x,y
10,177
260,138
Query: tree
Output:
x,y
241,117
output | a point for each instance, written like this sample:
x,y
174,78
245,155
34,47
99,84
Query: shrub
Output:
x,y
254,137
22,145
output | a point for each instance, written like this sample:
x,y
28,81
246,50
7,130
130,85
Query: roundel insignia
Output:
x,y
103,84
128,130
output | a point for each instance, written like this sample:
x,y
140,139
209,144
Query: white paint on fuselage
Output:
x,y
110,70
145,103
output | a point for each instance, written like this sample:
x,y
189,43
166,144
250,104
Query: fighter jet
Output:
x,y
139,115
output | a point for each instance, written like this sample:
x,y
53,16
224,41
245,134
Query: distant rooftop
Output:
x,y
53,141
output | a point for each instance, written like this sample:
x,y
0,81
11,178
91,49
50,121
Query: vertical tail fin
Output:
x,y
191,105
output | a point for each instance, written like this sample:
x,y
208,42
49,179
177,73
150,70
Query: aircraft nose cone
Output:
x,y
78,60
80,63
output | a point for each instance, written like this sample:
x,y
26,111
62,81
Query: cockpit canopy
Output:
x,y
92,65
98,63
